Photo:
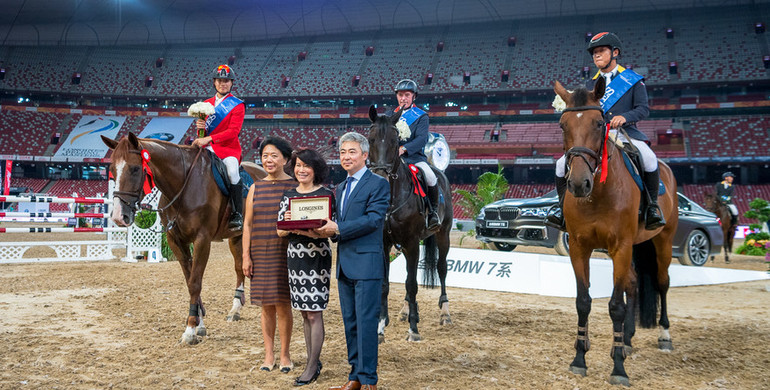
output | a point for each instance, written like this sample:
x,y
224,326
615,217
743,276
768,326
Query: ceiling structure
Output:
x,y
116,22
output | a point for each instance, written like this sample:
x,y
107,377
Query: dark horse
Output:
x,y
405,225
716,206
606,215
193,209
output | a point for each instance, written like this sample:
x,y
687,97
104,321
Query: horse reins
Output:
x,y
582,151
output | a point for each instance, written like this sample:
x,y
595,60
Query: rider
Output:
x,y
221,136
724,191
412,148
622,112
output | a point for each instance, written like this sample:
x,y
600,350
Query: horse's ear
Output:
x,y
133,140
599,88
111,143
561,91
372,113
394,119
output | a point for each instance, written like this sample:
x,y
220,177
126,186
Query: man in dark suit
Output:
x,y
362,200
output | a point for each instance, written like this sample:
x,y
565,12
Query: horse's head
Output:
x,y
710,202
127,170
383,143
583,129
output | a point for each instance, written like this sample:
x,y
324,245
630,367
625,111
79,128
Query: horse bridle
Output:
x,y
582,151
136,196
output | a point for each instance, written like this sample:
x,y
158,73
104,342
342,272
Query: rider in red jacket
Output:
x,y
221,136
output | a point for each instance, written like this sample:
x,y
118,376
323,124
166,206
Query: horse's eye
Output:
x,y
135,169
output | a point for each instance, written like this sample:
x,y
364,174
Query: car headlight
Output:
x,y
539,212
482,213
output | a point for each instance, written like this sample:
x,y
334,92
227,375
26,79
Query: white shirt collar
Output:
x,y
218,100
359,174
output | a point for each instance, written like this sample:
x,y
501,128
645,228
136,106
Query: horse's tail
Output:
x,y
646,265
431,262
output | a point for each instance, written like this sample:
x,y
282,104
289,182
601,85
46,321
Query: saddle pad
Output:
x,y
219,171
634,171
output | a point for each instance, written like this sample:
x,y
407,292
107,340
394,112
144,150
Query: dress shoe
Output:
x,y
287,369
299,382
351,385
368,387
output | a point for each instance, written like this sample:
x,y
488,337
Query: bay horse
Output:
x,y
716,206
191,207
405,226
606,215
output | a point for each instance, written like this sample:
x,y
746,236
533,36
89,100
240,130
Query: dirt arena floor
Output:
x,y
115,325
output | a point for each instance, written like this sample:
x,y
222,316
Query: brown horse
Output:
x,y
721,210
606,215
193,210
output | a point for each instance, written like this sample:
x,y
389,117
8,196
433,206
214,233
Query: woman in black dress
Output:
x,y
309,259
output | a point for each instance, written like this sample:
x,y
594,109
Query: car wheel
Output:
x,y
696,249
504,246
562,244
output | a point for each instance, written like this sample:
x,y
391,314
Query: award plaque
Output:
x,y
307,213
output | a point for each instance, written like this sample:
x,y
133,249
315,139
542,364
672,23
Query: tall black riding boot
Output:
x,y
555,217
433,221
236,201
653,216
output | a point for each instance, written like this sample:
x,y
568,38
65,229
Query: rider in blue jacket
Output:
x,y
630,108
411,147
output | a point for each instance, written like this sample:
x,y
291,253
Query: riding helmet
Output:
x,y
605,39
224,72
728,173
406,85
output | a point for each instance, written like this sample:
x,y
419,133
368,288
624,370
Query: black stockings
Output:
x,y
313,324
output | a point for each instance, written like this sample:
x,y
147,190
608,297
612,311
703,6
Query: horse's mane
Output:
x,y
580,97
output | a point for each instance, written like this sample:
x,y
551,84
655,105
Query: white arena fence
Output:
x,y
135,240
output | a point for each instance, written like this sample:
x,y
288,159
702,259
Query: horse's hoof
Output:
x,y
445,320
403,317
411,336
619,380
234,317
189,339
665,345
578,370
628,350
200,331
380,338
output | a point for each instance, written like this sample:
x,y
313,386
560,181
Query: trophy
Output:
x,y
307,213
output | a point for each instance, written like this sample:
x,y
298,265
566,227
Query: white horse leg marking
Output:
x,y
381,326
188,337
235,311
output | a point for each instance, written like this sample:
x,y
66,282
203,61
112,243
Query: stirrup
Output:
x,y
236,222
555,218
653,218
436,224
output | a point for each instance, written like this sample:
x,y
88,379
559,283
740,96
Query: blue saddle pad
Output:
x,y
220,174
635,174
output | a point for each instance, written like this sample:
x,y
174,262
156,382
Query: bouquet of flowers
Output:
x,y
558,103
403,130
200,110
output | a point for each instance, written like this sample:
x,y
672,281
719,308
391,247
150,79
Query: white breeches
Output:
x,y
733,209
232,165
649,160
430,177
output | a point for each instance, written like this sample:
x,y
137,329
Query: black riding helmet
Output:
x,y
406,85
726,174
605,39
224,72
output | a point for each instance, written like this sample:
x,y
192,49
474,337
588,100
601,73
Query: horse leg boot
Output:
x,y
653,216
433,221
555,218
236,201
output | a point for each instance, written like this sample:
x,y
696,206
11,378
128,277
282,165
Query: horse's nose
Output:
x,y
581,188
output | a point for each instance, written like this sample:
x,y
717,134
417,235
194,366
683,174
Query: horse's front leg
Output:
x,y
580,257
384,318
412,254
664,250
621,260
195,326
239,298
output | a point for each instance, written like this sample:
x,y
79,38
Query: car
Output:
x,y
509,223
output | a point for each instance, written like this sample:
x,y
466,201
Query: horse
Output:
x,y
405,226
192,208
716,206
605,214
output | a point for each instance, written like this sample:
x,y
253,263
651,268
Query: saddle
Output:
x,y
420,185
632,159
219,171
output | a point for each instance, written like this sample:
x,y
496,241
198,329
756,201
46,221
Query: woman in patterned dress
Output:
x,y
309,259
264,252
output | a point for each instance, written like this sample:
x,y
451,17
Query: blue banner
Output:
x,y
220,112
621,84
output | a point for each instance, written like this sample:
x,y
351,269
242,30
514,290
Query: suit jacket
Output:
x,y
415,144
224,139
633,106
359,245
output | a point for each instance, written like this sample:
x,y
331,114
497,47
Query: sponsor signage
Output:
x,y
85,142
169,129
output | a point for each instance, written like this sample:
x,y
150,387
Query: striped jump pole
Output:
x,y
18,214
64,230
54,199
